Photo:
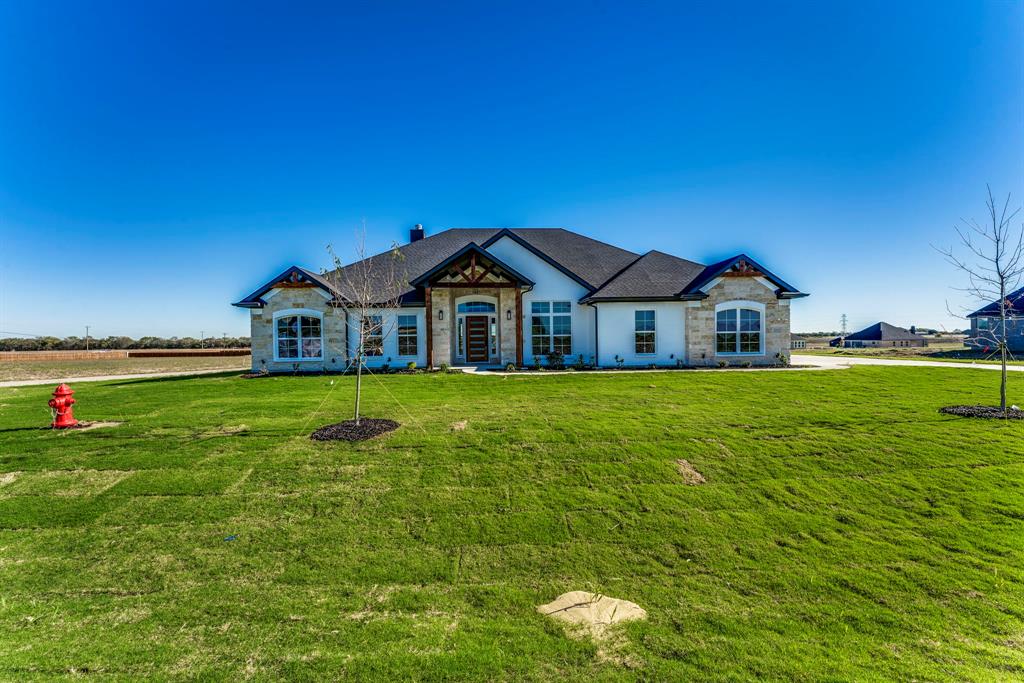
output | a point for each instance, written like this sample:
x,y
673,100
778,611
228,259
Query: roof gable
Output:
x,y
741,264
293,276
463,266
1015,301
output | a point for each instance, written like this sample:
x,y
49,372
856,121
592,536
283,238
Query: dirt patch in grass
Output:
x,y
84,426
689,473
348,430
8,478
987,412
460,425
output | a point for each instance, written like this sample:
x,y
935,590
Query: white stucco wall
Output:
x,y
616,327
391,338
551,285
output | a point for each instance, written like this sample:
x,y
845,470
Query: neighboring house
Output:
x,y
797,343
985,325
880,335
493,296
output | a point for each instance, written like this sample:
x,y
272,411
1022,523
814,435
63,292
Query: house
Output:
x,y
797,343
986,327
497,296
880,335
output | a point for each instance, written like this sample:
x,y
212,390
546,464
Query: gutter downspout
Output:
x,y
597,347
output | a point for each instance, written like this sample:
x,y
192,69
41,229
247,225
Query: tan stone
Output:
x,y
592,613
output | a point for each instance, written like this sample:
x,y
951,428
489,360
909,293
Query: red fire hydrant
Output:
x,y
61,403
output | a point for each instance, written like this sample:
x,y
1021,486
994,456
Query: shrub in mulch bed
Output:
x,y
989,412
348,430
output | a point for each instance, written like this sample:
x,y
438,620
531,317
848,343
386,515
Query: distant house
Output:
x,y
797,343
985,325
880,335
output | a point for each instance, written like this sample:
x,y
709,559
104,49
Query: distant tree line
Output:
x,y
99,344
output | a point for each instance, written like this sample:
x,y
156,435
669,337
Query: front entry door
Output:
x,y
476,339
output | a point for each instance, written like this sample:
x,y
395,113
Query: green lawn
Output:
x,y
846,530
947,354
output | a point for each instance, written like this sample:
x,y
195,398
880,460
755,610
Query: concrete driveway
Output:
x,y
836,362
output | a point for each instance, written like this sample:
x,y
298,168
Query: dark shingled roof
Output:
x,y
883,332
608,272
655,275
586,260
1016,306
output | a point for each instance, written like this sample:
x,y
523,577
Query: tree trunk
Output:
x,y
359,384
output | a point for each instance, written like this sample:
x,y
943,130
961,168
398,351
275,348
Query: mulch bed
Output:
x,y
367,428
989,412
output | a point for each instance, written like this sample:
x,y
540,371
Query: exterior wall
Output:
x,y
980,338
390,329
700,323
262,331
334,332
616,327
551,285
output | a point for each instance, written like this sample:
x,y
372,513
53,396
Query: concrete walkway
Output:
x,y
838,362
109,378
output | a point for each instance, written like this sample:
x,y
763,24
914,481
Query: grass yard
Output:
x,y
950,353
846,530
61,369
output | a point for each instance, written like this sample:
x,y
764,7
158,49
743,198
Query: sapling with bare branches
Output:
x,y
992,258
366,291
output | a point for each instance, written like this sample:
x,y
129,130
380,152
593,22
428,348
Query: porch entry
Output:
x,y
476,332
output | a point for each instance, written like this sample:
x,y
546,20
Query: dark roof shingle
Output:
x,y
655,275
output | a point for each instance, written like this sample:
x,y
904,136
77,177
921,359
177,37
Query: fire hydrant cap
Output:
x,y
63,390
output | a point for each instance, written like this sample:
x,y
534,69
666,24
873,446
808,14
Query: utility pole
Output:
x,y
842,334
87,337
202,337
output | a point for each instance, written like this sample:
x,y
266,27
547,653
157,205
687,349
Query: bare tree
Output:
x,y
366,291
993,262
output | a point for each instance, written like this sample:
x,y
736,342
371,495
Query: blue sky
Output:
x,y
158,160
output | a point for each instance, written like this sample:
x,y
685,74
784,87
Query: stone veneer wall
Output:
x,y
700,323
262,333
441,330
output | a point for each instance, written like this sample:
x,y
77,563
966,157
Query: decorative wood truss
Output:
x,y
473,269
743,269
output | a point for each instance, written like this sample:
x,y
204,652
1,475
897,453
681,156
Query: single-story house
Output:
x,y
880,335
797,343
985,325
499,296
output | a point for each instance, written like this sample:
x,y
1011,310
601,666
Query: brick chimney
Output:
x,y
416,233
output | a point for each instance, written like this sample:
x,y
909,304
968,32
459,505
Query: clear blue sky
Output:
x,y
160,159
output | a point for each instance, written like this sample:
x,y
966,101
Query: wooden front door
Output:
x,y
476,339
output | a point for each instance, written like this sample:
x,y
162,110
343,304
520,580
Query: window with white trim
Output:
x,y
738,330
407,339
373,335
644,333
298,337
551,327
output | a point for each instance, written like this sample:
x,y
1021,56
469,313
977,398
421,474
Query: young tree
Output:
x,y
994,265
366,291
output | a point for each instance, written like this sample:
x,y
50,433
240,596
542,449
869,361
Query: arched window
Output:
x,y
298,335
738,330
